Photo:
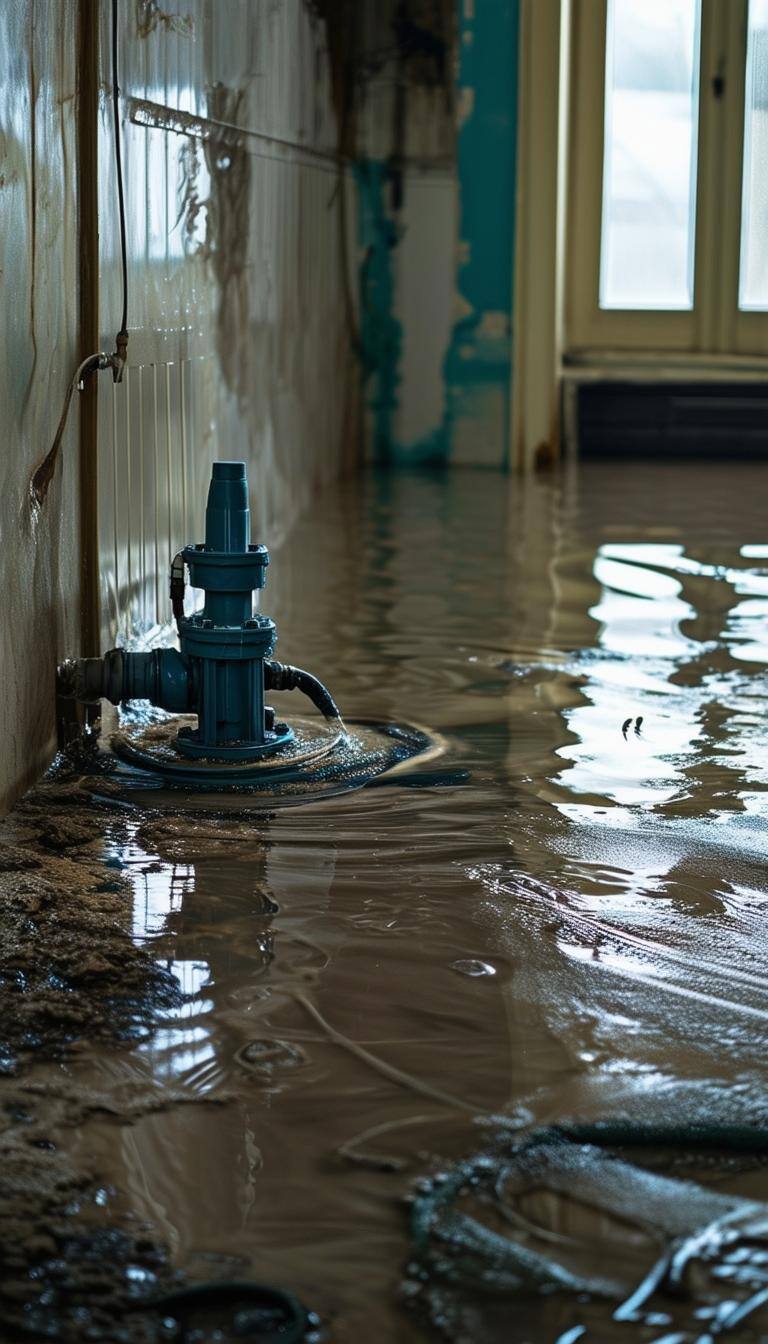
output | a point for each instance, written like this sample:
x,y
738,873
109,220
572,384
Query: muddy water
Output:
x,y
578,932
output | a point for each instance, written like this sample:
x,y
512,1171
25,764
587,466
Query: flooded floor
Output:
x,y
576,933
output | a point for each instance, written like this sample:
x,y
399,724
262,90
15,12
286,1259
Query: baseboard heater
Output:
x,y
686,419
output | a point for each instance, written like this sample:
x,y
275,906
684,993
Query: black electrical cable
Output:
x,y
123,332
44,472
455,1246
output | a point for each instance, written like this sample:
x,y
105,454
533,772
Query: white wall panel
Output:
x,y
239,345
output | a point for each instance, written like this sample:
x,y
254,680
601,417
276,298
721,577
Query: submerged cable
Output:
x,y
380,1065
453,1242
43,474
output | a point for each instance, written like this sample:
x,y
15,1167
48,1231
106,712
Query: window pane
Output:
x,y
753,282
649,170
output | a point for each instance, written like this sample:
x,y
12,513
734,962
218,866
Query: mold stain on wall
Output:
x,y
226,241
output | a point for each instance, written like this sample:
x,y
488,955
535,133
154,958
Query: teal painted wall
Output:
x,y
479,360
471,417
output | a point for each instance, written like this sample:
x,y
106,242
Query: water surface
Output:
x,y
578,932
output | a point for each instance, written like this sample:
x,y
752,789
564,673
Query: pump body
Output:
x,y
225,646
223,666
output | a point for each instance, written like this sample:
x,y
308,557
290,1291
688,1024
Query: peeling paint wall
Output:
x,y
479,359
438,357
39,613
240,342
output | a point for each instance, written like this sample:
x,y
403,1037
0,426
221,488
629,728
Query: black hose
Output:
x,y
714,1134
283,677
422,779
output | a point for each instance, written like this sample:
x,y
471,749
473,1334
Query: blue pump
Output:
x,y
225,646
223,668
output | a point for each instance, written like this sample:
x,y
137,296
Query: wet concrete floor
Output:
x,y
575,933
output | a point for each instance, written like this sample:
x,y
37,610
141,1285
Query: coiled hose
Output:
x,y
458,1248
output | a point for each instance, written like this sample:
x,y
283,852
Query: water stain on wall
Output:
x,y
227,237
149,16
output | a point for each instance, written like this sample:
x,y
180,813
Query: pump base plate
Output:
x,y
156,748
140,763
188,744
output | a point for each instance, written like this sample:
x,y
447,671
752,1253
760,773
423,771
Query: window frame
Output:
x,y
714,325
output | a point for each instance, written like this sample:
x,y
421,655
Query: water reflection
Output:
x,y
695,748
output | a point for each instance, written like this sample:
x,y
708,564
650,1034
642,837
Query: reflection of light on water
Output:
x,y
698,733
634,863
748,630
191,975
640,611
158,891
176,1054
180,1049
635,578
746,897
633,770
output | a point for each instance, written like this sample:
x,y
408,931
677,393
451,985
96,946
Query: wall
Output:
x,y
436,274
240,334
39,614
239,312
241,304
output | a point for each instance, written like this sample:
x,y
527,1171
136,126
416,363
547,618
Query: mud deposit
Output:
x,y
483,1062
70,976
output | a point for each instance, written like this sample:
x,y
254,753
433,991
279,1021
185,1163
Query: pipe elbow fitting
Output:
x,y
90,679
164,677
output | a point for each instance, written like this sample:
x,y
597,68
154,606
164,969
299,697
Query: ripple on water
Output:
x,y
471,966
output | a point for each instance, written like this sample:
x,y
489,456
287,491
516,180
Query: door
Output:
x,y
667,241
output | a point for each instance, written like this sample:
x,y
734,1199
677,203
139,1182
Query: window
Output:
x,y
753,279
649,173
667,226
